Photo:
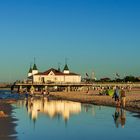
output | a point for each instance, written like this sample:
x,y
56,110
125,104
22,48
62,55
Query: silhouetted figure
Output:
x,y
116,96
123,97
12,87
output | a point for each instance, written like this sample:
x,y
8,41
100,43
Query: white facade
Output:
x,y
66,71
29,74
53,75
57,79
34,72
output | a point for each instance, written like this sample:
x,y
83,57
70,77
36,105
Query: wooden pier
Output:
x,y
71,86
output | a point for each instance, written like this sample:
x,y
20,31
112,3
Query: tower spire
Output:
x,y
66,69
34,66
30,70
35,69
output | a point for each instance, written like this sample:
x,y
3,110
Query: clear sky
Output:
x,y
94,35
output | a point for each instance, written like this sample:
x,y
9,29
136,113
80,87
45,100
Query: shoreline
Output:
x,y
92,97
8,122
132,99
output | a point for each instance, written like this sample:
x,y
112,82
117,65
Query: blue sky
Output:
x,y
94,35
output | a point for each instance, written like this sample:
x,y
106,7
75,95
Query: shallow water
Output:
x,y
65,120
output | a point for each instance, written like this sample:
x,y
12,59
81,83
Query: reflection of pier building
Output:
x,y
53,108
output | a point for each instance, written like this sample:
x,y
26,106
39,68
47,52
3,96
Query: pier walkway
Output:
x,y
72,86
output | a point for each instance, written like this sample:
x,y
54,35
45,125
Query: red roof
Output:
x,y
56,72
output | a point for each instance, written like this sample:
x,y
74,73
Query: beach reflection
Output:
x,y
55,119
51,108
119,117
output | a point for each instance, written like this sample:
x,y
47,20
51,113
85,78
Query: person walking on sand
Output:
x,y
123,97
116,96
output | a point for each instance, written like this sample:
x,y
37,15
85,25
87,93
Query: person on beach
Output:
x,y
100,91
123,97
44,92
116,96
26,94
31,93
12,88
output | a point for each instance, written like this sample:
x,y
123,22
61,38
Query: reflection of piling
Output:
x,y
66,122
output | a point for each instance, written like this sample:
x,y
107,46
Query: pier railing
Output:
x,y
96,84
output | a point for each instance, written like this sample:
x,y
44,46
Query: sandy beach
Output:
x,y
7,122
93,97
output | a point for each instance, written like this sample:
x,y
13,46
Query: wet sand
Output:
x,y
93,97
7,122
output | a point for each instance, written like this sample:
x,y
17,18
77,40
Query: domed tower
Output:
x,y
34,70
66,69
30,72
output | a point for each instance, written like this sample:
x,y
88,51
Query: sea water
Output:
x,y
41,119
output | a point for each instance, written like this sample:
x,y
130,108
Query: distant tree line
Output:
x,y
107,79
125,79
